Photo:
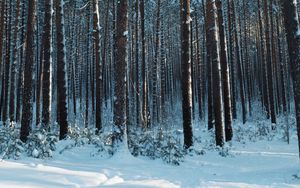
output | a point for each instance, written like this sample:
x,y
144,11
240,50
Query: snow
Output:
x,y
253,164
35,153
188,21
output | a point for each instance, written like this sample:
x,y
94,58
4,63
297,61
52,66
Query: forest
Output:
x,y
147,76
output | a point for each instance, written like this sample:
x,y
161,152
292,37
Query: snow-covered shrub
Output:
x,y
253,131
155,146
11,147
171,152
133,143
143,143
224,151
149,146
78,137
263,130
242,133
193,151
297,176
209,143
103,144
41,144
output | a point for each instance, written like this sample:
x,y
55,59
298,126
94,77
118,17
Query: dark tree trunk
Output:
x,y
20,84
225,74
232,57
120,71
137,75
269,65
155,98
263,62
6,82
61,72
2,24
186,77
46,59
239,63
293,41
14,64
213,47
96,26
29,59
145,111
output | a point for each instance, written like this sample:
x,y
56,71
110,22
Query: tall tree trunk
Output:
x,y
137,75
29,59
2,24
199,72
269,65
213,48
263,62
186,77
225,74
293,41
87,101
104,65
14,64
61,72
232,57
120,71
96,26
145,112
46,68
155,97
7,60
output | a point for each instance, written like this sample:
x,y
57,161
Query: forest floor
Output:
x,y
256,163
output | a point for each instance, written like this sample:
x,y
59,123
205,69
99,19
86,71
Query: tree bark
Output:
x,y
225,74
96,26
61,72
29,59
120,71
14,64
47,60
213,47
186,77
293,40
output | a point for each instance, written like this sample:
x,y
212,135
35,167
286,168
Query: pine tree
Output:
x,y
14,64
225,73
120,71
155,94
213,47
269,64
96,26
293,40
46,62
7,66
61,71
186,77
29,59
143,67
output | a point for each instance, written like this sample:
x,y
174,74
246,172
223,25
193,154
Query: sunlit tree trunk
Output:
x,y
213,48
96,26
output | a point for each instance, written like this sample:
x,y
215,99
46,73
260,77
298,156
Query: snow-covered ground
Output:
x,y
251,164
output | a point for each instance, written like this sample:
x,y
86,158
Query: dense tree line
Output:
x,y
136,64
